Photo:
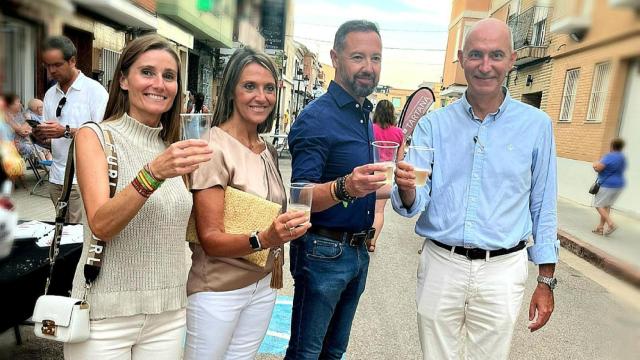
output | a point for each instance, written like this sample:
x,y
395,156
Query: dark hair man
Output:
x,y
330,146
74,100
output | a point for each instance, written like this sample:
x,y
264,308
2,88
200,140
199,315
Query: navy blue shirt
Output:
x,y
328,139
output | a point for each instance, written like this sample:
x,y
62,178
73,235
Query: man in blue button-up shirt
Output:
x,y
330,146
492,186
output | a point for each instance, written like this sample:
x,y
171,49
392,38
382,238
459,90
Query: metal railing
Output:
x,y
530,27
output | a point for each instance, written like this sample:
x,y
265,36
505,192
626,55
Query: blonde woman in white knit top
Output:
x,y
138,300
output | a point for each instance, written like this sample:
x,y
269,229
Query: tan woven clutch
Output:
x,y
243,214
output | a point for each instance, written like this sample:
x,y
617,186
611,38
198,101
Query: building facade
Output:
x,y
593,96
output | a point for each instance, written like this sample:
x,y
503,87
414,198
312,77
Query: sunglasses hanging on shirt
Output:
x,y
60,106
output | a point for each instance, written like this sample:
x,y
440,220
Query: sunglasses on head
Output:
x,y
60,106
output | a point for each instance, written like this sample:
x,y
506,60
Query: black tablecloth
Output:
x,y
23,275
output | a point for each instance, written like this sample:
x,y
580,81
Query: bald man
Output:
x,y
492,187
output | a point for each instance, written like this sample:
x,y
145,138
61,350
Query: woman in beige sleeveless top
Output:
x,y
230,299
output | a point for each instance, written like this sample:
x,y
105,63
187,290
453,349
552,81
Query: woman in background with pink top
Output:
x,y
384,129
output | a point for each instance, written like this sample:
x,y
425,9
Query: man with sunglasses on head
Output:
x,y
492,186
74,100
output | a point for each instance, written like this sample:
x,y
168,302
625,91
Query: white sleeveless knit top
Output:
x,y
144,268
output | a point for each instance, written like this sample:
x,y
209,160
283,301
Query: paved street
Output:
x,y
596,317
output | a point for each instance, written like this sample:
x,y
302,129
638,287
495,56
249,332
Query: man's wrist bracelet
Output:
x,y
341,190
332,190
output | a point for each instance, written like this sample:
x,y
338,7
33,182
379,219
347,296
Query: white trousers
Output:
x,y
138,337
467,308
229,325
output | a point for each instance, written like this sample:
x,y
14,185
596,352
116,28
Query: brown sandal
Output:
x,y
598,231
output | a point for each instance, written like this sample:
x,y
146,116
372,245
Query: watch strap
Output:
x,y
254,241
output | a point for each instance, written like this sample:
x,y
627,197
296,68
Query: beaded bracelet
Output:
x,y
341,190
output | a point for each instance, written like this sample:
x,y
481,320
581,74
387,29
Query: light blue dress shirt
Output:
x,y
493,182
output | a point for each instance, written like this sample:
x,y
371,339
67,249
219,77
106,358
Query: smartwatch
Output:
x,y
67,132
254,241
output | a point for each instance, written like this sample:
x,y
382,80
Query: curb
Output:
x,y
614,266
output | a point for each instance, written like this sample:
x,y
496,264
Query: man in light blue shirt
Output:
x,y
492,186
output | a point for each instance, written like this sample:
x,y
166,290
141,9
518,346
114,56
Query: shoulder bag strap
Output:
x,y
62,205
96,246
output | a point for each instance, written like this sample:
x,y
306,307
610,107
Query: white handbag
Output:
x,y
61,318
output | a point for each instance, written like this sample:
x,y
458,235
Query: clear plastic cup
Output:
x,y
300,198
385,153
195,126
421,158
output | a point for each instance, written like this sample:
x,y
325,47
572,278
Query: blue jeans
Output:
x,y
329,277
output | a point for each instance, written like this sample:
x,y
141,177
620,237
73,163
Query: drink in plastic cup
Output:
x,y
300,198
421,158
385,153
195,126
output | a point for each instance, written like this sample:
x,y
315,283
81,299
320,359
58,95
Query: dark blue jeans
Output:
x,y
329,277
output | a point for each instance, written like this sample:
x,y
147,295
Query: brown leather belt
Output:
x,y
477,254
352,238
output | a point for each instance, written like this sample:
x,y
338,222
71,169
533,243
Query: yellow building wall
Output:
x,y
329,75
587,140
402,94
614,35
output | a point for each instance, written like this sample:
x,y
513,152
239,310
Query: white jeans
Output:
x,y
468,308
229,324
157,337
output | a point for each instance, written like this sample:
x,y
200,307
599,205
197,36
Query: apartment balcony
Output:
x,y
248,35
530,34
572,17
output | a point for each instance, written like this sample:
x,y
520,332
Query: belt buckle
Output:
x,y
469,252
357,239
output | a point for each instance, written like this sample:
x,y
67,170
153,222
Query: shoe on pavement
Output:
x,y
610,230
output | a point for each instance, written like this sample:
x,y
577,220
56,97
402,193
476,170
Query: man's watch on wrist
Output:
x,y
551,282
67,132
254,241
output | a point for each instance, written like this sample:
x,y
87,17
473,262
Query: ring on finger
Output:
x,y
290,231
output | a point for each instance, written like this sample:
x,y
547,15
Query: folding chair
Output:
x,y
38,165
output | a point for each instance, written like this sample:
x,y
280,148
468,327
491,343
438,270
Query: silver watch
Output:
x,y
551,282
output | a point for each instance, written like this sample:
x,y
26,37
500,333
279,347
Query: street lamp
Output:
x,y
300,78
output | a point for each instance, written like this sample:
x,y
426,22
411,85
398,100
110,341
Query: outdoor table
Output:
x,y
23,275
280,141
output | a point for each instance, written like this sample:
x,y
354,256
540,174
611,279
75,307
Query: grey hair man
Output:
x,y
492,186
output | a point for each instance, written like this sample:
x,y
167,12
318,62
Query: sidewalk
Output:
x,y
618,253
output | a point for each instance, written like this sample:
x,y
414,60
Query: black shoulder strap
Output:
x,y
63,201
